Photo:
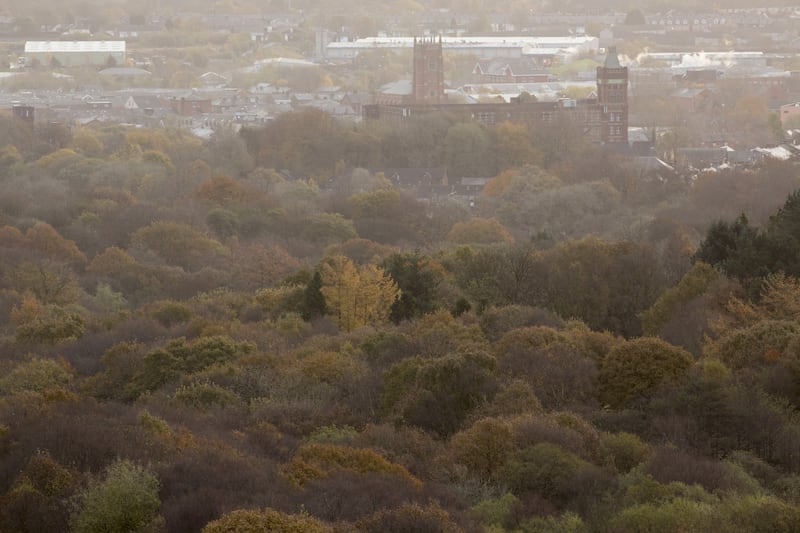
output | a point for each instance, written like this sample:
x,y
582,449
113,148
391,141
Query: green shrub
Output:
x,y
254,521
172,313
204,395
35,375
625,449
124,501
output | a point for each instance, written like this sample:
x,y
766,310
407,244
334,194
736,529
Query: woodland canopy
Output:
x,y
191,341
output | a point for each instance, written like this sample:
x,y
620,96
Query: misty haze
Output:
x,y
399,266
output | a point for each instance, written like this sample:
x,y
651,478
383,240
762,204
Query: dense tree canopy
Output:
x,y
192,339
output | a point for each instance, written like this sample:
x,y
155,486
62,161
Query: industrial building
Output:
x,y
602,118
76,53
541,48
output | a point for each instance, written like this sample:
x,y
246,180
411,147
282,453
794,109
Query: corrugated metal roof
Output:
x,y
74,46
476,41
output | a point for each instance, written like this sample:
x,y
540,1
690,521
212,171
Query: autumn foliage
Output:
x,y
256,333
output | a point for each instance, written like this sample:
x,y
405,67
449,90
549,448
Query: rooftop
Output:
x,y
477,42
74,46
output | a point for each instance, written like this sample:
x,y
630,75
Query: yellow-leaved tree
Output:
x,y
357,296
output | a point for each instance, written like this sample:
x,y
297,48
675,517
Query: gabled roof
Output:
x,y
740,156
402,88
508,67
124,71
142,101
213,77
650,164
85,121
413,177
782,152
702,157
362,98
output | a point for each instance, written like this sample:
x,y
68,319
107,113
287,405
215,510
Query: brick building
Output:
x,y
602,119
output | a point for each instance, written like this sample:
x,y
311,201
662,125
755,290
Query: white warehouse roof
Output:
x,y
469,42
492,46
74,46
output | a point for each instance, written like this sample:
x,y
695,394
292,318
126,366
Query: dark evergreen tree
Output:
x,y
418,283
313,299
783,237
462,306
737,248
748,254
723,240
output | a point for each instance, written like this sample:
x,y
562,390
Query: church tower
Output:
x,y
612,97
428,81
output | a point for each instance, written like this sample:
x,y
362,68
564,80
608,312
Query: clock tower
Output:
x,y
612,97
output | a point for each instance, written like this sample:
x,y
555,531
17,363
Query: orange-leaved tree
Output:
x,y
357,296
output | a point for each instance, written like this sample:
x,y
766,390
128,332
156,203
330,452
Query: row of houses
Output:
x,y
197,109
261,27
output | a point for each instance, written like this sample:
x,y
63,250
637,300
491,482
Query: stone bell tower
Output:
x,y
428,81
